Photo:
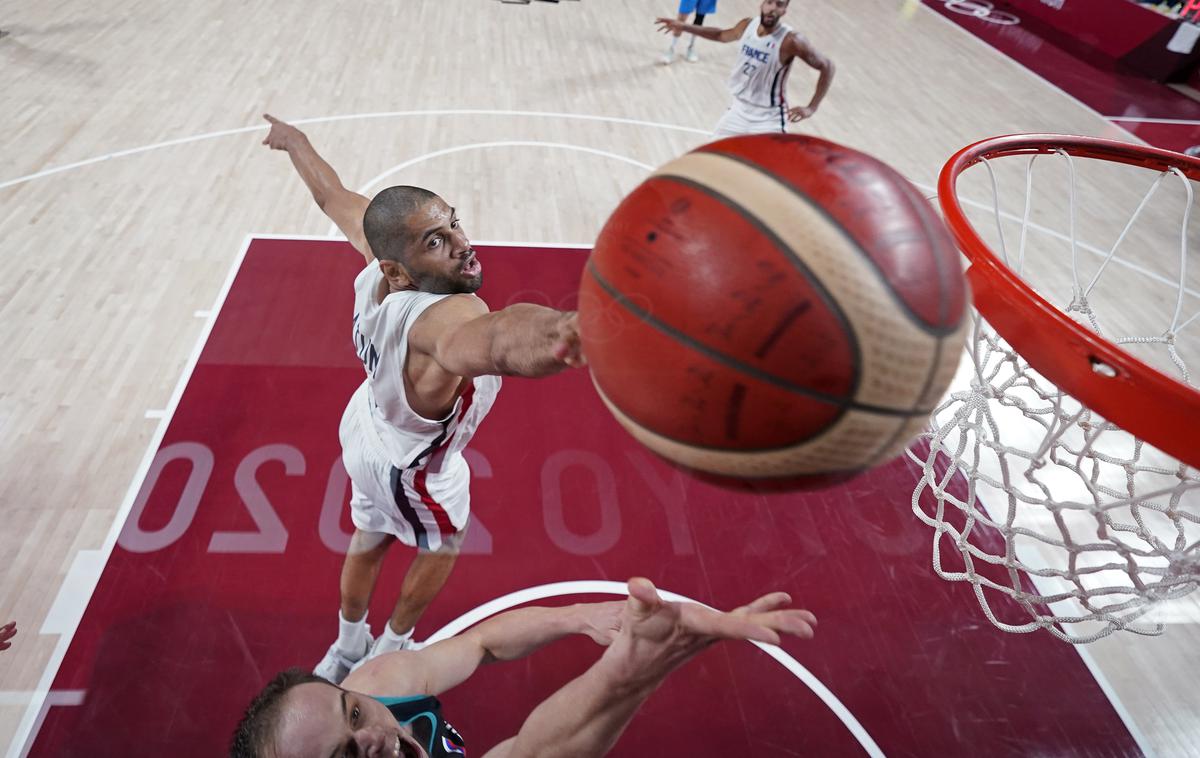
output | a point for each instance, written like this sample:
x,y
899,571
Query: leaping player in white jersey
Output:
x,y
758,83
433,355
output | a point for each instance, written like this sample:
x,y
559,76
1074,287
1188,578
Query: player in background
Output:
x,y
701,8
767,48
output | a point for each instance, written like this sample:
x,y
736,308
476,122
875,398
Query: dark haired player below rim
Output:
x,y
387,707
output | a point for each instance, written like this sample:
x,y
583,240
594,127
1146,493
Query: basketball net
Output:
x,y
1059,519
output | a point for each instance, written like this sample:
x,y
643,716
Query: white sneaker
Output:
x,y
336,665
668,58
1193,151
691,56
375,652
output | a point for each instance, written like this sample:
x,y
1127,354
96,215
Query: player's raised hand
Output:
x,y
657,636
282,134
668,25
7,632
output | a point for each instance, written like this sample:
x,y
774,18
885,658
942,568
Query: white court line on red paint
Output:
x,y
42,696
600,587
1143,120
32,719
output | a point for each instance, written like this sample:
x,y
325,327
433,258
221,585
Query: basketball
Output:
x,y
773,307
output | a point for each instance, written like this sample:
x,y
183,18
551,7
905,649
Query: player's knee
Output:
x,y
368,542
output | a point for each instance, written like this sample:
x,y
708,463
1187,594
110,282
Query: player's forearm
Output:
x,y
516,634
704,32
586,717
823,84
318,175
523,339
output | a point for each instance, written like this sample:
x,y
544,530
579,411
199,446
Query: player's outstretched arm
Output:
x,y
796,46
522,340
344,207
671,25
585,718
506,637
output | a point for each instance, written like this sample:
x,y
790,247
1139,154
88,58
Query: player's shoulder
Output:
x,y
456,307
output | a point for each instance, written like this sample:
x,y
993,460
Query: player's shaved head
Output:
x,y
387,221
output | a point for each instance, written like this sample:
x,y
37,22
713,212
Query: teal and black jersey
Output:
x,y
423,714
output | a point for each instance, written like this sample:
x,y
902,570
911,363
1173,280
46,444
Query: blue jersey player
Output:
x,y
701,8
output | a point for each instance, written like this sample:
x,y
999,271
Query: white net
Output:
x,y
1059,519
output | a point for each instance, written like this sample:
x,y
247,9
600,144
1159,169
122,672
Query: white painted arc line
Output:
x,y
601,587
26,730
349,117
487,145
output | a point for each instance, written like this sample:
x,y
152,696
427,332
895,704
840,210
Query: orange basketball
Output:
x,y
772,307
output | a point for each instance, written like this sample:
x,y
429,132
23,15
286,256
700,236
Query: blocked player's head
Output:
x,y
420,242
773,10
300,715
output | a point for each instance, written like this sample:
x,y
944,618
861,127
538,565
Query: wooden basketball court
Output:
x,y
131,178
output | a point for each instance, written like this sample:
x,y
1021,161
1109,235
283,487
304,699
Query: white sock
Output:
x,y
390,641
673,41
352,635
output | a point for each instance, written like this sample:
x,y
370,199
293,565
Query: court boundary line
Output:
x,y
606,587
31,721
1148,120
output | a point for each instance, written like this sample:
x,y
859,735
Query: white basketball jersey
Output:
x,y
410,440
759,78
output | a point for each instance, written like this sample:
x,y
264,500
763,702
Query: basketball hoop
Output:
x,y
1079,449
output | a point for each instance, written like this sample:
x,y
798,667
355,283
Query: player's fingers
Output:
x,y
768,602
643,598
797,623
728,626
271,119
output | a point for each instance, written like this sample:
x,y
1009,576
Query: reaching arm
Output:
x,y
522,340
670,26
797,47
344,208
506,637
585,718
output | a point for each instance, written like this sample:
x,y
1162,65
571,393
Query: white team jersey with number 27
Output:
x,y
759,77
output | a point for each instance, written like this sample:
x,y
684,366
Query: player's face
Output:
x,y
320,720
440,258
773,10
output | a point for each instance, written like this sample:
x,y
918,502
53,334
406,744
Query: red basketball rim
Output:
x,y
1145,402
